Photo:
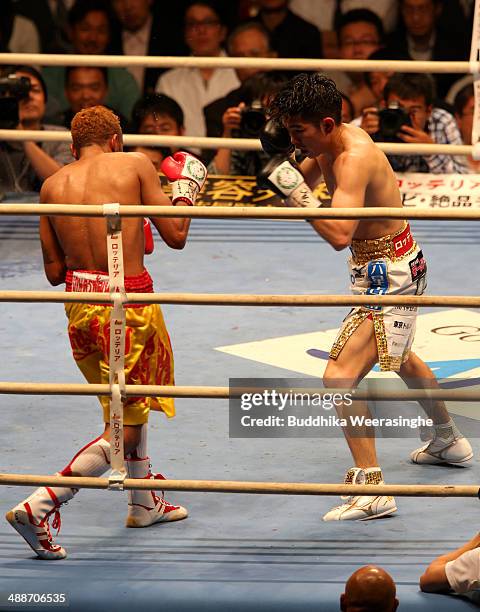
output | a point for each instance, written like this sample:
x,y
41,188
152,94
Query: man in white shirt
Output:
x,y
194,88
457,571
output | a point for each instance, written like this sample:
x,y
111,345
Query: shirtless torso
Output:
x,y
100,177
357,174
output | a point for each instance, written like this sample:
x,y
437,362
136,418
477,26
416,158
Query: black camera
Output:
x,y
12,90
253,120
391,120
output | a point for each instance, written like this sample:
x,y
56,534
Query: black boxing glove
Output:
x,y
283,177
276,140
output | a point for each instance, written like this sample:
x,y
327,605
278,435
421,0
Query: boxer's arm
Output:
x,y
172,230
351,179
53,255
435,578
311,171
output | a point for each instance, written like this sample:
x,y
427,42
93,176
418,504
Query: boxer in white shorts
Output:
x,y
385,260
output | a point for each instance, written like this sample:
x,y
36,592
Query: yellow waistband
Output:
x,y
392,246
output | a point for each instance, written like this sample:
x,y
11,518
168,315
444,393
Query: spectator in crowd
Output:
x,y
326,19
369,588
142,30
249,39
85,86
376,82
24,165
420,36
159,115
246,121
51,20
348,112
194,88
360,33
414,94
458,571
17,33
291,35
464,105
89,23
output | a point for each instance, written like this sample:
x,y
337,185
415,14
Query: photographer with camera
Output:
x,y
25,165
409,116
247,120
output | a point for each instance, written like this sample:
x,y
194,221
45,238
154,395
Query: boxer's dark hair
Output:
x,y
310,96
408,86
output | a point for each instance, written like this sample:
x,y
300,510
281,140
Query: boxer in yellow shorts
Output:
x,y
75,252
148,352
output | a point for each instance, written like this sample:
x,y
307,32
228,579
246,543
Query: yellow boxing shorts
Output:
x,y
148,352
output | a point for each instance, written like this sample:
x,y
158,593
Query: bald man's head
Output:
x,y
369,589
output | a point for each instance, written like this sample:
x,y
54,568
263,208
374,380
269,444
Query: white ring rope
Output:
x,y
241,212
240,144
239,299
127,61
236,486
206,392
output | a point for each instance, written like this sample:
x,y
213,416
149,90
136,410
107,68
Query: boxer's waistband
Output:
x,y
393,246
92,281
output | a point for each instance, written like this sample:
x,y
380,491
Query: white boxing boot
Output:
x,y
362,507
145,507
447,446
31,519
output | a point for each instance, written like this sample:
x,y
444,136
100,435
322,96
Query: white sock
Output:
x,y
92,460
447,432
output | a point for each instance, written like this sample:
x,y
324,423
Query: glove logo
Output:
x,y
196,169
287,177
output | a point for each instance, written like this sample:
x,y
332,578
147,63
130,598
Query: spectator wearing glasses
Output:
x,y
360,33
194,88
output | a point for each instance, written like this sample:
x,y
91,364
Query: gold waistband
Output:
x,y
379,248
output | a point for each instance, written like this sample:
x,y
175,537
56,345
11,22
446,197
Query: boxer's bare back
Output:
x,y
100,177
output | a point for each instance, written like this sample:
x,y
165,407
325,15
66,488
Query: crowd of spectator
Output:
x,y
212,102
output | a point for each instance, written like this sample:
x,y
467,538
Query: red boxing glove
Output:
x,y
187,175
147,231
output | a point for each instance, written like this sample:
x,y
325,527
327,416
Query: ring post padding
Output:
x,y
117,344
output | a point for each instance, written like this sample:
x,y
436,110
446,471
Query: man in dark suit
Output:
x,y
147,28
421,36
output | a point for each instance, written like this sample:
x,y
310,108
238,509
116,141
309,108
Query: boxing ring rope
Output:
x,y
108,61
240,212
239,299
240,144
233,486
199,392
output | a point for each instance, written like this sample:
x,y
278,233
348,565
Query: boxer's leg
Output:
x,y
355,360
448,444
